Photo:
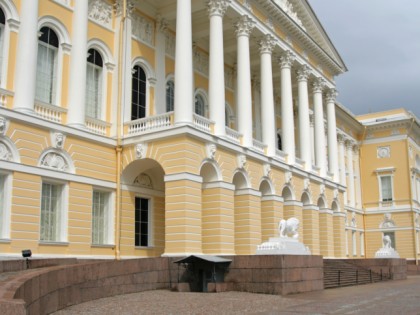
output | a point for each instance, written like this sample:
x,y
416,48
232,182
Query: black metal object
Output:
x,y
26,253
201,270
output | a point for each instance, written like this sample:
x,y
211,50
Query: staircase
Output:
x,y
339,273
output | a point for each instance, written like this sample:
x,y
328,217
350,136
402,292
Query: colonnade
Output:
x,y
243,29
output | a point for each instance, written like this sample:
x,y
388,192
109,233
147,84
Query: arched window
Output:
x,y
199,105
170,92
2,26
46,66
94,84
138,93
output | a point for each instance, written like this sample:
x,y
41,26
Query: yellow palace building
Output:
x,y
174,127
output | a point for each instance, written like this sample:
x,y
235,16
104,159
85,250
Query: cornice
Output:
x,y
302,36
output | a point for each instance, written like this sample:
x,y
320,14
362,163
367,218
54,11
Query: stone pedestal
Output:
x,y
282,246
387,253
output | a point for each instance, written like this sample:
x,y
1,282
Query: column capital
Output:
x,y
341,138
217,7
331,95
286,59
161,24
303,73
267,44
349,143
118,8
318,85
244,26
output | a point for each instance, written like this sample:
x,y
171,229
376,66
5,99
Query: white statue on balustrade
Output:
x,y
287,243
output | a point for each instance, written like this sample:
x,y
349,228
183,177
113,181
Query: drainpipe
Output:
x,y
119,149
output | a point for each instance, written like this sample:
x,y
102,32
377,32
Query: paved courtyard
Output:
x,y
394,297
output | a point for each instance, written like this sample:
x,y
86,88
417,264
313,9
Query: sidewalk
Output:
x,y
393,297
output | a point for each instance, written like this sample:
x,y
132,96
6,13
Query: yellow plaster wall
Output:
x,y
247,224
271,214
310,225
218,221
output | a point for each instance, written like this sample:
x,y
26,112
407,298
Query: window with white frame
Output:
x,y
170,95
101,218
2,27
142,236
94,84
52,212
354,241
138,93
386,188
199,105
46,70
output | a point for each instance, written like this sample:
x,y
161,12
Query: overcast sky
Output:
x,y
379,41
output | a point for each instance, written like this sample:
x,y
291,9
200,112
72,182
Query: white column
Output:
x,y
342,160
243,101
332,134
350,182
78,61
304,124
320,152
217,9
269,136
312,131
160,55
357,184
183,106
287,121
26,59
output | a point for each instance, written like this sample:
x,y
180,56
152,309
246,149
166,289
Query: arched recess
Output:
x,y
305,199
240,180
266,187
143,208
335,206
210,171
321,203
287,193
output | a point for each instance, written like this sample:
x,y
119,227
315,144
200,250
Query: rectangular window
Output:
x,y
51,212
386,188
142,222
45,76
93,91
100,217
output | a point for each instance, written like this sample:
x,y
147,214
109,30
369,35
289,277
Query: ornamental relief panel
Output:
x,y
201,62
143,29
170,44
5,153
383,152
100,11
55,161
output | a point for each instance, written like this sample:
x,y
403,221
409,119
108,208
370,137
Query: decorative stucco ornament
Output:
x,y
141,150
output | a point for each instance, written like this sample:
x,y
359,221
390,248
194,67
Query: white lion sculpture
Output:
x,y
289,228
